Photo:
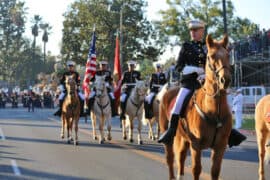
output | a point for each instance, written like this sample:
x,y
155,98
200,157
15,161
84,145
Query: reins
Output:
x,y
216,95
137,105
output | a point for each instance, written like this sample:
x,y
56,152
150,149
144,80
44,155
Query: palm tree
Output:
x,y
37,19
46,28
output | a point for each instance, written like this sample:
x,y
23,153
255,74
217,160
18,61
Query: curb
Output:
x,y
248,132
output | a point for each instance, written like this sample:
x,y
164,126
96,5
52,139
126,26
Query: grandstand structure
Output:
x,y
251,62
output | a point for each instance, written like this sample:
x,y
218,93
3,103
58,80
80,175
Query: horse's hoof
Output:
x,y
109,138
101,141
71,139
140,142
125,137
76,143
95,138
131,140
62,136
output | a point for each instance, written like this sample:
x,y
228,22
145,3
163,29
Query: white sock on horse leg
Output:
x,y
183,92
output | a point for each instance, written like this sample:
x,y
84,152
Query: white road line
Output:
x,y
2,134
15,168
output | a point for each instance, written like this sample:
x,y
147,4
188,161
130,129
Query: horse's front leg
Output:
x,y
109,127
180,150
216,156
63,127
196,163
101,132
93,118
130,132
150,131
76,122
139,131
68,130
261,141
124,132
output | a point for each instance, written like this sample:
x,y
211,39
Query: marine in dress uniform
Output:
x,y
191,62
128,82
109,80
158,79
71,71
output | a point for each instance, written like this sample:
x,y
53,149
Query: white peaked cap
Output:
x,y
70,63
195,24
131,62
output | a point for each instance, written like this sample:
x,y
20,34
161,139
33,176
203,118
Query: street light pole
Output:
x,y
224,16
121,36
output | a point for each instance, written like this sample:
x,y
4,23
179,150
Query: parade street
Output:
x,y
31,148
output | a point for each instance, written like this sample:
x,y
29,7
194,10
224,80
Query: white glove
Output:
x,y
201,77
192,69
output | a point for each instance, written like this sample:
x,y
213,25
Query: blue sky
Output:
x,y
52,10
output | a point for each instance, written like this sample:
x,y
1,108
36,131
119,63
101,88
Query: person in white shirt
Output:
x,y
238,108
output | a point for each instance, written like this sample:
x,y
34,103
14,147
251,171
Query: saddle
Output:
x,y
185,104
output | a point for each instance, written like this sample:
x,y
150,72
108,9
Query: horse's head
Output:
x,y
141,88
70,84
218,70
100,85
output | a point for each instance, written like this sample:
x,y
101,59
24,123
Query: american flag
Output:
x,y
90,70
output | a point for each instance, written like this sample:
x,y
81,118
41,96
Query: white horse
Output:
x,y
134,109
101,110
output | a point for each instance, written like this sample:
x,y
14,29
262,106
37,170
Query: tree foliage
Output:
x,y
105,15
174,20
17,63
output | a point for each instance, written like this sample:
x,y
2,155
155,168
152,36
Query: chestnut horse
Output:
x,y
71,110
262,127
207,121
101,110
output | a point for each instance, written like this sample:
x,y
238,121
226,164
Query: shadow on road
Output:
x,y
32,174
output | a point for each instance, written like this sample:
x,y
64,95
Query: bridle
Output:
x,y
139,104
216,77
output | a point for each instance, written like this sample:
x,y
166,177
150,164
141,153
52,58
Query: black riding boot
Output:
x,y
236,138
113,108
123,110
167,136
90,105
59,111
82,114
146,110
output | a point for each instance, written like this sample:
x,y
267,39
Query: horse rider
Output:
x,y
128,82
158,79
103,70
191,61
71,71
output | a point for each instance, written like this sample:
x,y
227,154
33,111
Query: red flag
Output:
x,y
90,69
117,70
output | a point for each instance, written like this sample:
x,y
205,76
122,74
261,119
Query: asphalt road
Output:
x,y
31,148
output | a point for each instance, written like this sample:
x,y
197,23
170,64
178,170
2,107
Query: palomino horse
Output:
x,y
134,109
71,110
153,135
101,110
262,126
208,119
